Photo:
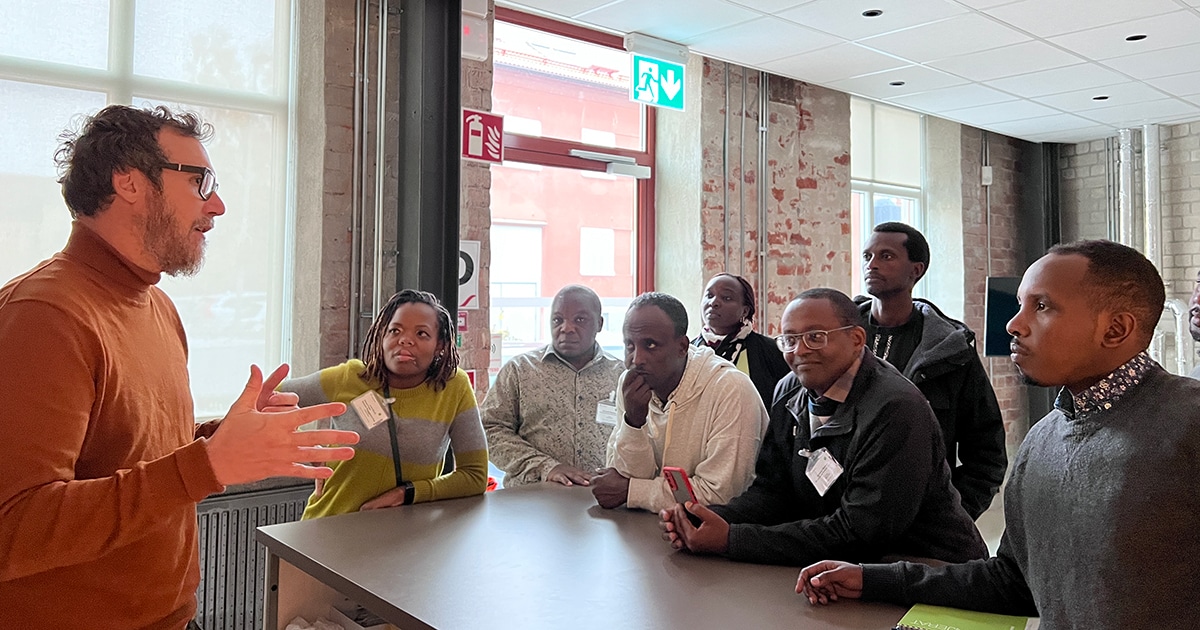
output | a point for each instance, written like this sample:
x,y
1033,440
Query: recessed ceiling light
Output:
x,y
896,83
872,13
1135,38
1102,97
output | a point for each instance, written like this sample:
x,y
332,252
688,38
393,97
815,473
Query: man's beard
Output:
x,y
1027,379
167,242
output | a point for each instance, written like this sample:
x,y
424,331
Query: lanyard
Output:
x,y
387,395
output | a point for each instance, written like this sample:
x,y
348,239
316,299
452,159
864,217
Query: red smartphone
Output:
x,y
681,486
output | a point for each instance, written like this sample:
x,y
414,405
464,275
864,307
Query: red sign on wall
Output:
x,y
482,136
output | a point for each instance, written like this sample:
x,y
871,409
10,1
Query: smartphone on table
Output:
x,y
681,488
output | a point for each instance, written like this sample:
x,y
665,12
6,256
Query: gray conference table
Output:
x,y
542,556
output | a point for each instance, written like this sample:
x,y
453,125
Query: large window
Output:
x,y
886,156
558,216
229,61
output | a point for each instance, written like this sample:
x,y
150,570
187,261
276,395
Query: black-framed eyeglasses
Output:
x,y
208,179
814,339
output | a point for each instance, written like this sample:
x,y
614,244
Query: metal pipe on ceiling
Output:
x,y
1151,186
742,181
1125,209
725,175
762,243
357,201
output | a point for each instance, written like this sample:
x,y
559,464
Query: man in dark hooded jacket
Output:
x,y
938,355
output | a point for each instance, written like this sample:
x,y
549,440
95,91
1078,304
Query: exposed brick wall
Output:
x,y
336,289
476,222
1085,173
808,185
1088,176
1003,250
335,247
1181,207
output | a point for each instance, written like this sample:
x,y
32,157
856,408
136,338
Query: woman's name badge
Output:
x,y
371,409
822,470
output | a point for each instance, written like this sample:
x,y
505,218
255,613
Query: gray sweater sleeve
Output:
x,y
995,585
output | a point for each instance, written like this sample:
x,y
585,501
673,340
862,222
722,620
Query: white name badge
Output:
x,y
822,470
371,409
606,413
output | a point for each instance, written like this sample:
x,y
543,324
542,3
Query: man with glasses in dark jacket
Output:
x,y
852,465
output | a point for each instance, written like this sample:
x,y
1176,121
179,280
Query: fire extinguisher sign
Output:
x,y
482,136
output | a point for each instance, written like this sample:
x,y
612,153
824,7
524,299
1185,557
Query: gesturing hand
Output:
x,y
636,395
253,444
828,580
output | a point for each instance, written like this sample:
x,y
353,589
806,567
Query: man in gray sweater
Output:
x,y
1101,511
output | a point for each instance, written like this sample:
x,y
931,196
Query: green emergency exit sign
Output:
x,y
657,82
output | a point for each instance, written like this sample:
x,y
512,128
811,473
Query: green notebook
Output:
x,y
922,617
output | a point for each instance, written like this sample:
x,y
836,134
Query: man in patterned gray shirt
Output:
x,y
549,415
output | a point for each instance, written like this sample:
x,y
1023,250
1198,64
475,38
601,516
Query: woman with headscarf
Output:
x,y
728,316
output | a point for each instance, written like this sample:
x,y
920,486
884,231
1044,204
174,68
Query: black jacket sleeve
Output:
x,y
980,437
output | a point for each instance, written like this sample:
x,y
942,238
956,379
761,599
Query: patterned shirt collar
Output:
x,y
1109,390
597,354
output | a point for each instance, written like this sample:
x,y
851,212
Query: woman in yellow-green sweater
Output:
x,y
410,359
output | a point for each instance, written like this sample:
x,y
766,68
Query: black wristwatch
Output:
x,y
409,493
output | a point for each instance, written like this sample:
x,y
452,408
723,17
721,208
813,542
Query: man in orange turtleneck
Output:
x,y
102,462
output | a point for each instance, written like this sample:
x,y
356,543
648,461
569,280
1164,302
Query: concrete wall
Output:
x,y
944,281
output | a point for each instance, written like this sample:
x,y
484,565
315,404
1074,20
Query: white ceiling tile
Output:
x,y
985,4
832,64
1162,31
758,40
770,7
915,78
957,97
1074,136
567,8
1018,128
844,17
1047,18
1159,63
672,20
1187,84
998,113
1143,113
959,58
950,37
997,63
1067,79
1119,94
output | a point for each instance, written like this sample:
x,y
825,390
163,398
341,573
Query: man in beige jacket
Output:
x,y
679,405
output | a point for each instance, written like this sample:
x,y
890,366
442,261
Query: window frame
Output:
x,y
557,152
871,188
122,85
